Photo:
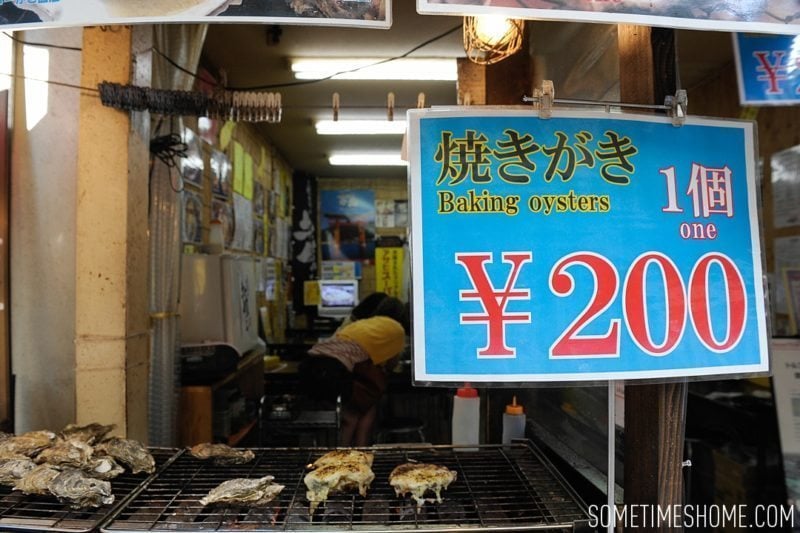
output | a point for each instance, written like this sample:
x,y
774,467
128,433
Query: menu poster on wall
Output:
x,y
767,16
787,256
791,280
583,247
220,174
347,224
384,214
243,216
32,14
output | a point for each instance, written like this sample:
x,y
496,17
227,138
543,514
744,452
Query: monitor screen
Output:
x,y
338,297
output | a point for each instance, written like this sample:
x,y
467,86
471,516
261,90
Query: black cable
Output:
x,y
309,82
44,45
381,62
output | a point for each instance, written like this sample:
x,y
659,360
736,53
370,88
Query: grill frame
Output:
x,y
536,498
20,512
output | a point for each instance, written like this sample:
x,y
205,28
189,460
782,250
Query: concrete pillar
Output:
x,y
111,251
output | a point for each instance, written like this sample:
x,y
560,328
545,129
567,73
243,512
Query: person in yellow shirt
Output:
x,y
349,365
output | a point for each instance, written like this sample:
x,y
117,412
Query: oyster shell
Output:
x,y
28,444
128,452
4,436
102,468
221,453
249,492
67,453
78,490
89,433
37,480
14,468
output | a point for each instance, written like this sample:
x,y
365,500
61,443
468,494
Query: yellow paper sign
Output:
x,y
248,176
311,294
238,167
389,271
226,133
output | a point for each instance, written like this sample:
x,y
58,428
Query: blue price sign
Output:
x,y
768,68
583,247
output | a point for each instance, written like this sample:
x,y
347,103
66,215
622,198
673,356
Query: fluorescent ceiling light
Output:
x,y
399,69
360,127
367,159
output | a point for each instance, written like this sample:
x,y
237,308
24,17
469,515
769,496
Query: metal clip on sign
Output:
x,y
547,98
677,107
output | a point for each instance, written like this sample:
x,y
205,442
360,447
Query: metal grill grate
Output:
x,y
20,512
498,487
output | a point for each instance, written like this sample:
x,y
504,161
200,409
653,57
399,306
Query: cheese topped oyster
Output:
x,y
418,478
338,471
249,492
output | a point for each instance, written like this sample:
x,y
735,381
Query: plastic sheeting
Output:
x,y
182,44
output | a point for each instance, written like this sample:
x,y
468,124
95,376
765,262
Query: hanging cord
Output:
x,y
170,149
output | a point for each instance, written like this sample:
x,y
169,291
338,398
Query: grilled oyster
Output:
x,y
28,444
128,452
418,478
78,490
14,468
249,492
89,433
37,480
334,478
102,468
344,456
221,453
66,453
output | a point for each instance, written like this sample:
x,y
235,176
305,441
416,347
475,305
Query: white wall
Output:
x,y
43,185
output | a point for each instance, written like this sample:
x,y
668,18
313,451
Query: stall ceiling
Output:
x,y
251,57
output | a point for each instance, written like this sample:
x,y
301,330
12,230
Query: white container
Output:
x,y
466,418
218,301
513,422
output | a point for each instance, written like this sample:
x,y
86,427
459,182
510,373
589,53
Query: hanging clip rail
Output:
x,y
242,106
543,99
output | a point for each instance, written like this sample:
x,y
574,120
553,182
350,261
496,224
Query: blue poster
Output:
x,y
768,68
586,246
347,225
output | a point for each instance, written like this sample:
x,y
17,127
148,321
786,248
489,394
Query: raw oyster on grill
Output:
x,y
28,444
37,480
89,433
221,453
66,453
249,492
128,452
12,469
102,468
78,490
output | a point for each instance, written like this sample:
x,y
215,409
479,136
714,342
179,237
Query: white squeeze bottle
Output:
x,y
466,417
513,422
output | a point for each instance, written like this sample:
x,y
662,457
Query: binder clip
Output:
x,y
677,107
546,99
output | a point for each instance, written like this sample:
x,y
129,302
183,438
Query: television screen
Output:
x,y
338,294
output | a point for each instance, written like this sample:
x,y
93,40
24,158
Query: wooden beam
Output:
x,y
654,414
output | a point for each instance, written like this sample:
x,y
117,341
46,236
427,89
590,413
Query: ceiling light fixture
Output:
x,y
441,69
372,159
491,38
360,127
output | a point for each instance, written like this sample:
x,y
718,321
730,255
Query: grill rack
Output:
x,y
510,487
21,512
